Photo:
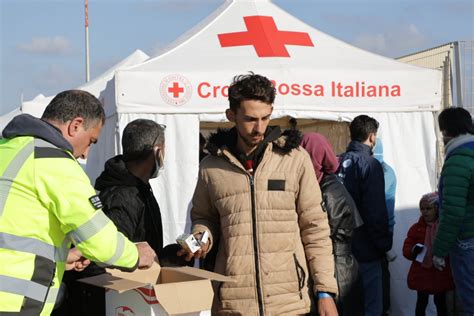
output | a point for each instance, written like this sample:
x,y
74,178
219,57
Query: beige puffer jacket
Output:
x,y
272,234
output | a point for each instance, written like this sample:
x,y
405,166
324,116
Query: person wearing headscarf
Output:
x,y
343,218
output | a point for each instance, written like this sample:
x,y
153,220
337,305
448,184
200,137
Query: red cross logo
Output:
x,y
175,89
264,36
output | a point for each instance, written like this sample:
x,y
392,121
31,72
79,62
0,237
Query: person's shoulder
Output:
x,y
373,163
458,164
461,156
120,195
210,161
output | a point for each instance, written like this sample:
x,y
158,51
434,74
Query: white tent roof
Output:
x,y
312,70
36,106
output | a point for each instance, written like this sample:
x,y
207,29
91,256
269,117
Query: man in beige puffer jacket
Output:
x,y
258,197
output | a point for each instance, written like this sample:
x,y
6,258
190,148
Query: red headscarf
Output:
x,y
321,153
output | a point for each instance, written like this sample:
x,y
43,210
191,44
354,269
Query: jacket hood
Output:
x,y
27,125
116,173
227,138
322,156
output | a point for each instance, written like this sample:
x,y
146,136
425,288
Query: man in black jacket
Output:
x,y
124,185
363,177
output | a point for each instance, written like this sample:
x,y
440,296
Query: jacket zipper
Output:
x,y
255,247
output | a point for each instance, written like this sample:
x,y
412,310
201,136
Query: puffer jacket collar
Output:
x,y
283,143
27,125
458,142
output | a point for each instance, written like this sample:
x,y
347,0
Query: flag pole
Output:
x,y
87,39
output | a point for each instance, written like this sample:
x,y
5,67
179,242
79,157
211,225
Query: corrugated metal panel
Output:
x,y
439,57
466,74
432,58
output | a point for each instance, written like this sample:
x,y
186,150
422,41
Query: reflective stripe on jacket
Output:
x,y
47,202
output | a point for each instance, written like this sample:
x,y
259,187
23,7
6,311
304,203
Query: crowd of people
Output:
x,y
300,230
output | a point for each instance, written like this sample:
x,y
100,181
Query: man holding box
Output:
x,y
258,198
47,202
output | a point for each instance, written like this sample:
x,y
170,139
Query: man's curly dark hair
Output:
x,y
250,87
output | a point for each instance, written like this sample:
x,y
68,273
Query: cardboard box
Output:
x,y
157,291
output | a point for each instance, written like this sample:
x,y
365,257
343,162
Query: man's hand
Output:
x,y
327,307
75,260
146,255
439,263
198,254
391,255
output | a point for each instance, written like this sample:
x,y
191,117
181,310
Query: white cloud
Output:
x,y
400,40
46,45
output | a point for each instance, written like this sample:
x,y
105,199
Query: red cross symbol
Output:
x,y
264,36
175,90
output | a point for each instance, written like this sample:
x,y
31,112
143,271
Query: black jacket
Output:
x,y
363,177
130,204
343,218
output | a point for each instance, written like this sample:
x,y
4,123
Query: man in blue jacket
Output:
x,y
363,177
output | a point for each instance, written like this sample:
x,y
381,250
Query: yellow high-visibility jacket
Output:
x,y
47,202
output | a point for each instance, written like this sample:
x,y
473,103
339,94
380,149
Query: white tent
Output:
x,y
317,77
37,105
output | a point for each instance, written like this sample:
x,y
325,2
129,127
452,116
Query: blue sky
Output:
x,y
42,42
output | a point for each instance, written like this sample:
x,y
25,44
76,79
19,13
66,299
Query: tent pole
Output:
x,y
87,39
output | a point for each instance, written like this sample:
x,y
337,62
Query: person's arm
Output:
x,y
204,215
456,177
66,192
410,242
373,201
123,211
314,228
390,196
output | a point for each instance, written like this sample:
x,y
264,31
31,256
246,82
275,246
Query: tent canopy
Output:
x,y
311,70
316,77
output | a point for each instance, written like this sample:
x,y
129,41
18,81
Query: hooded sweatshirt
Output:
x,y
321,153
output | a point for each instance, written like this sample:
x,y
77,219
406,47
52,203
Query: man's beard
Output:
x,y
247,142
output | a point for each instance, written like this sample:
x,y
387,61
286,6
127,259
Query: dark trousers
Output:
x,y
385,286
422,302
